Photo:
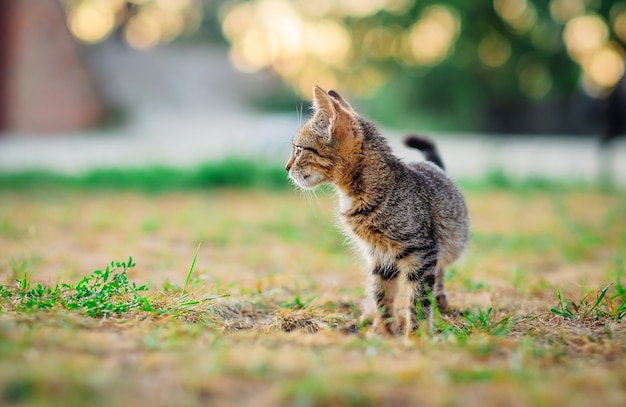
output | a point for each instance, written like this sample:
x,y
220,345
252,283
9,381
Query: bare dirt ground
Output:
x,y
278,318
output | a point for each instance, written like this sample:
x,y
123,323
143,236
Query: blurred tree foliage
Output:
x,y
513,62
491,63
471,63
465,60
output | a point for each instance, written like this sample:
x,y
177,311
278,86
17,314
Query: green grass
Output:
x,y
231,172
237,173
101,294
605,305
236,297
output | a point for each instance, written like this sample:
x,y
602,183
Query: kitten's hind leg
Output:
x,y
383,286
440,289
421,289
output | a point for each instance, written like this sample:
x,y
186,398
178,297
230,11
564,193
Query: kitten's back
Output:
x,y
447,208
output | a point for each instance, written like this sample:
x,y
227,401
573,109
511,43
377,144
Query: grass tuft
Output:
x,y
612,306
101,294
306,320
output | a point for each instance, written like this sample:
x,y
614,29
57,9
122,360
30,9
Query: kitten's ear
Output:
x,y
322,100
335,117
336,96
325,112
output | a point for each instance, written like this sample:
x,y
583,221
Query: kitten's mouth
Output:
x,y
308,181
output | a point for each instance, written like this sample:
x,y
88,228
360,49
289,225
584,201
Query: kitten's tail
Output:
x,y
427,147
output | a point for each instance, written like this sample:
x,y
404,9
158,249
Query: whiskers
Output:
x,y
309,194
299,114
296,178
311,197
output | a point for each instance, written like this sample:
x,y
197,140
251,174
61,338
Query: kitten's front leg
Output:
x,y
383,286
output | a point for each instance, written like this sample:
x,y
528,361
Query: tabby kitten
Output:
x,y
408,219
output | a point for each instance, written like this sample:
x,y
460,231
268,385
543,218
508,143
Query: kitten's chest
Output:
x,y
368,236
345,201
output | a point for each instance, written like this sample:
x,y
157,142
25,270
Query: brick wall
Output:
x,y
44,86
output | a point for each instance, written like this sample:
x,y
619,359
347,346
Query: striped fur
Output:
x,y
410,220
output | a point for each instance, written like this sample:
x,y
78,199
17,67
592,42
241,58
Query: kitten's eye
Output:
x,y
298,150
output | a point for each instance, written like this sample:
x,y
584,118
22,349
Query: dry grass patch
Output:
x,y
271,314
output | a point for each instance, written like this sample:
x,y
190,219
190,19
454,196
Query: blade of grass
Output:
x,y
188,303
193,264
612,308
599,300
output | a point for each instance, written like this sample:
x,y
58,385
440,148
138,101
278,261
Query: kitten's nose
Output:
x,y
288,166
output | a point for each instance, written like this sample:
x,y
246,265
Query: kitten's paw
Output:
x,y
401,324
379,327
423,327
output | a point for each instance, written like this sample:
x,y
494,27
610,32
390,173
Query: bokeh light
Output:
x,y
431,38
602,61
309,43
93,20
604,69
142,31
518,14
383,42
564,10
354,43
150,22
619,25
494,50
585,35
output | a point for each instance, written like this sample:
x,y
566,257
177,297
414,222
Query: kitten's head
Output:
x,y
327,144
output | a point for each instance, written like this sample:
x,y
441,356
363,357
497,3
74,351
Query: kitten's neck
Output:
x,y
368,179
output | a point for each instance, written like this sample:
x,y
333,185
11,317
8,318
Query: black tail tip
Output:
x,y
420,142
426,146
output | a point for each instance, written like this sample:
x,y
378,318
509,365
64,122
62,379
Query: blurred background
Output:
x,y
532,87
